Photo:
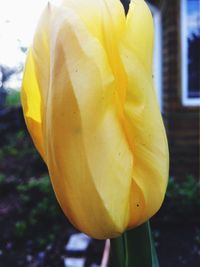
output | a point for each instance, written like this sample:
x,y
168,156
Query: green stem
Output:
x,y
135,248
118,257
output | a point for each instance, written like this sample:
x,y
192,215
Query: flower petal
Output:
x,y
139,34
88,157
142,120
105,20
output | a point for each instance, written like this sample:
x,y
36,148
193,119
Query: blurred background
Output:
x,y
33,229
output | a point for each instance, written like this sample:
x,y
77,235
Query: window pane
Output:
x,y
193,38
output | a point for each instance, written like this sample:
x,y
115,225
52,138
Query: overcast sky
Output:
x,y
18,19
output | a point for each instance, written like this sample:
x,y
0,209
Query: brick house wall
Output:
x,y
182,123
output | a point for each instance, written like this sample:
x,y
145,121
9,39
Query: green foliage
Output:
x,y
2,178
18,151
182,202
13,98
42,185
37,215
188,191
40,215
20,228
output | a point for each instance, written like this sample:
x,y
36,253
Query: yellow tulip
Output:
x,y
89,103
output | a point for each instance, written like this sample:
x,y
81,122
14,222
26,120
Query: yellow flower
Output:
x,y
90,106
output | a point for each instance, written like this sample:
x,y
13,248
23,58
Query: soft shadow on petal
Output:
x,y
113,26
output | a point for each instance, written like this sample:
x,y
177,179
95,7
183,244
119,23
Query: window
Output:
x,y
190,44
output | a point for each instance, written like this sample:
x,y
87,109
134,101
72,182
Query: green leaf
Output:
x,y
135,248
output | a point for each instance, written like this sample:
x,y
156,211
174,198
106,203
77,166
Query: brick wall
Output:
x,y
182,123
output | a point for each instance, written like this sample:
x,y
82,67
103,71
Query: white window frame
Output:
x,y
157,59
186,101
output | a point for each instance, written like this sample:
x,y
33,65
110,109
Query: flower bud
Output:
x,y
89,103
